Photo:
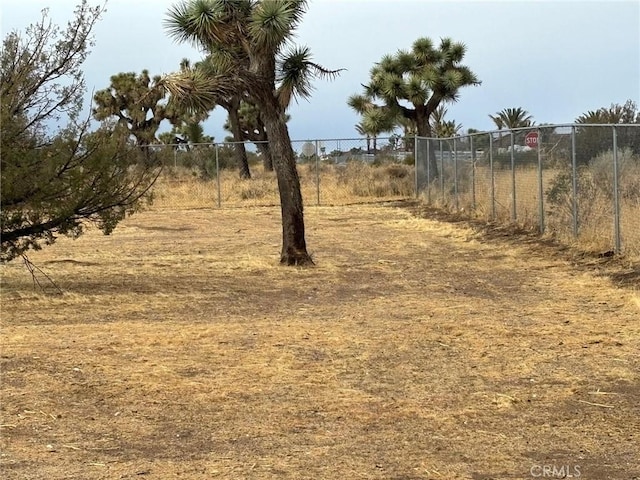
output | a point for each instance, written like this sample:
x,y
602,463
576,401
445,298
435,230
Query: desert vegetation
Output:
x,y
353,182
177,346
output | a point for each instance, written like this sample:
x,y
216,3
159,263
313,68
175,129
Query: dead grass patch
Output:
x,y
414,349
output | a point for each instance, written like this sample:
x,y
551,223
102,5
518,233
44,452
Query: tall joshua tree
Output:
x,y
232,106
249,41
414,83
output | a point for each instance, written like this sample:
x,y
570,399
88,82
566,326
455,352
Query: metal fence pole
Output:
x,y
493,180
455,172
441,172
416,166
574,182
514,212
429,171
540,185
218,177
473,173
616,194
317,176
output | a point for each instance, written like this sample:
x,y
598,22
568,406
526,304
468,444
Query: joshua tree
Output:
x,y
424,77
136,101
249,41
252,129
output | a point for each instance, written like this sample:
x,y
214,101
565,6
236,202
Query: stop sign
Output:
x,y
531,139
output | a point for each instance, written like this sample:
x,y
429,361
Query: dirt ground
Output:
x,y
415,349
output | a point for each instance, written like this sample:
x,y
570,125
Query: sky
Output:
x,y
555,59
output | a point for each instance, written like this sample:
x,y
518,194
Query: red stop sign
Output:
x,y
531,139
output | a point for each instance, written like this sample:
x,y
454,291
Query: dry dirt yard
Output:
x,y
415,349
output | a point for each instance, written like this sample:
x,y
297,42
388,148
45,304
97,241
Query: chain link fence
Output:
x,y
580,183
332,172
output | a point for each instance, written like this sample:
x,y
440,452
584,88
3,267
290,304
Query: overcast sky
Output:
x,y
556,59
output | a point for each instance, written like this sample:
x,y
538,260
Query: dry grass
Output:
x,y
337,185
596,229
414,350
361,183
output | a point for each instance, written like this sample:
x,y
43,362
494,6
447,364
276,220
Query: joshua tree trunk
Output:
x,y
294,248
267,159
261,139
241,151
243,161
265,150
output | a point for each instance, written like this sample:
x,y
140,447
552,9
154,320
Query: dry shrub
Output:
x,y
262,186
602,173
364,180
253,191
474,193
595,201
397,171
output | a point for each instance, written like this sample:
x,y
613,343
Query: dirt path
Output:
x,y
414,350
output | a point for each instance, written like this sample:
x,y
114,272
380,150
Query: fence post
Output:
x,y
493,181
218,176
416,166
616,194
574,182
441,172
429,172
540,185
455,172
317,176
473,173
514,212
